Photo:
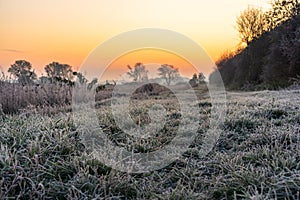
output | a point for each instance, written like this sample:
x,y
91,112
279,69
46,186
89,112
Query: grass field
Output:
x,y
256,157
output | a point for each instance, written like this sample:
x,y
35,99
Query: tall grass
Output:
x,y
15,97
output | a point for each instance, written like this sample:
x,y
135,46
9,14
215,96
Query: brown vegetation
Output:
x,y
15,97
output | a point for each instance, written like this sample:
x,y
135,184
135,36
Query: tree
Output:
x,y
282,61
138,72
168,72
290,44
80,78
201,78
194,81
251,24
92,83
281,11
59,72
22,70
272,60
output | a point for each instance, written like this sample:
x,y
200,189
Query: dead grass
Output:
x,y
15,98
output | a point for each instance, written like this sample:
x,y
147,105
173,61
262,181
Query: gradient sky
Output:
x,y
67,31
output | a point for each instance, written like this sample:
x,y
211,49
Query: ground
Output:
x,y
257,155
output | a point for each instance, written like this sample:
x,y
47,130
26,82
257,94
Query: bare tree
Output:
x,y
22,70
281,11
251,24
168,72
138,72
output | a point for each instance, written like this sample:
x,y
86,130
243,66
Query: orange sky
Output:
x,y
67,31
152,58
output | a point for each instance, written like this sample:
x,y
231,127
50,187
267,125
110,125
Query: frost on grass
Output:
x,y
256,157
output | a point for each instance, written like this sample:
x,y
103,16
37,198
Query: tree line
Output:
x,y
253,22
62,73
139,72
56,72
268,57
166,72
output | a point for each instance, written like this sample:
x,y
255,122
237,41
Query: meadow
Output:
x,y
256,156
47,148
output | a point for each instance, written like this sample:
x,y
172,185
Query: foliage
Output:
x,y
194,81
200,79
22,70
80,78
59,72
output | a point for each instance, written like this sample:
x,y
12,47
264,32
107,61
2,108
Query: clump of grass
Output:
x,y
205,104
276,113
240,125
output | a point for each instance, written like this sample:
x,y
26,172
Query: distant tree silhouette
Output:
x,y
22,70
194,81
138,72
201,78
80,77
59,72
251,24
168,72
92,83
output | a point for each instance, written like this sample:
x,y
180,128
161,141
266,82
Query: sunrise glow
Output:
x,y
67,31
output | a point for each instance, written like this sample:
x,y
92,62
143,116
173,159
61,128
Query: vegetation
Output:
x,y
54,91
200,79
22,70
251,24
271,58
256,157
138,72
59,72
168,72
15,98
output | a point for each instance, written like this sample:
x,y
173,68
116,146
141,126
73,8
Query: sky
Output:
x,y
68,31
